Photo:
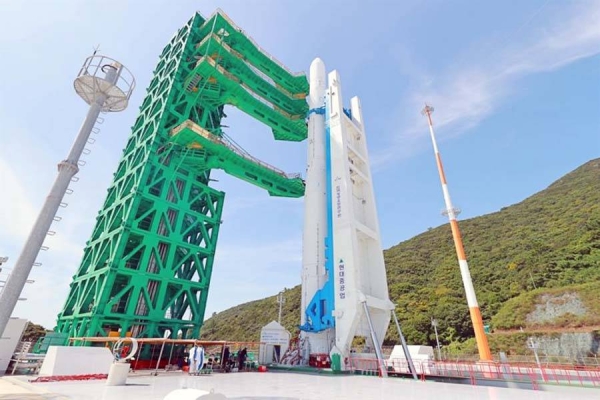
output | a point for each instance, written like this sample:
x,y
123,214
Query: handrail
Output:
x,y
227,141
241,58
234,147
235,79
260,49
475,372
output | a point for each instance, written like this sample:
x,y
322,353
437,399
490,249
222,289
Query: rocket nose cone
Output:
x,y
317,69
317,62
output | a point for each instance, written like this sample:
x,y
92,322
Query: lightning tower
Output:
x,y
106,86
481,338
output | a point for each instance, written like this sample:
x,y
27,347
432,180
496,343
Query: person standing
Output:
x,y
242,358
193,359
200,358
225,360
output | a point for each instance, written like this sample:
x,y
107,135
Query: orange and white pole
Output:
x,y
480,337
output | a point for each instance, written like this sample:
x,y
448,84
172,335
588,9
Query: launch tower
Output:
x,y
147,266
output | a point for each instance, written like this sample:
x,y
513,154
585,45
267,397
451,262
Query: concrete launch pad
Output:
x,y
289,386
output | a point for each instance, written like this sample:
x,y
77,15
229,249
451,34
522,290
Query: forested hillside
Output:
x,y
550,240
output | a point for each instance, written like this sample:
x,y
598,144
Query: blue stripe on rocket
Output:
x,y
319,314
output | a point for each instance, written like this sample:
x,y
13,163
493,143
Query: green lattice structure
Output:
x,y
147,266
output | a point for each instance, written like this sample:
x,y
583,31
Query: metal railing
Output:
x,y
240,57
477,373
237,149
234,147
545,359
256,96
260,49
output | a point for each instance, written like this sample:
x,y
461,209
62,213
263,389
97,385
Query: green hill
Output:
x,y
243,322
570,307
549,241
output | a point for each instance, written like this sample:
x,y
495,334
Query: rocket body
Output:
x,y
344,285
315,225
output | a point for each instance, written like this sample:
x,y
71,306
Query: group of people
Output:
x,y
229,361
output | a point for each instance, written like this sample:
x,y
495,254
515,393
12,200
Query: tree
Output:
x,y
33,332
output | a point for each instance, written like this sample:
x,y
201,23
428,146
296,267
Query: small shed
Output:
x,y
422,357
274,342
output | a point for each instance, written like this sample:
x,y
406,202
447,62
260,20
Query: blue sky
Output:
x,y
515,85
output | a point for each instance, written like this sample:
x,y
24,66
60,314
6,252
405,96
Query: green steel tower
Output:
x,y
146,268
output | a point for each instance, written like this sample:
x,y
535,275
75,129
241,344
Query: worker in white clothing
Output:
x,y
193,359
196,359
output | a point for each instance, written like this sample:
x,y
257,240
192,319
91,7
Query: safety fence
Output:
x,y
480,372
229,143
574,360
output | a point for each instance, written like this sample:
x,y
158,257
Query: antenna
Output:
x,y
106,86
280,301
482,342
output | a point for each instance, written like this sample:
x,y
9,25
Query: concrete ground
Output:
x,y
17,388
279,386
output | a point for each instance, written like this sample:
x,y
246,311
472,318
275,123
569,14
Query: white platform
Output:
x,y
76,360
10,339
289,386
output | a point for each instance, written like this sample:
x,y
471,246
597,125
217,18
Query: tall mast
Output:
x,y
480,337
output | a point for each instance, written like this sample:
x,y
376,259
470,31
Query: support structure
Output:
x,y
434,323
100,83
147,267
378,353
481,338
407,355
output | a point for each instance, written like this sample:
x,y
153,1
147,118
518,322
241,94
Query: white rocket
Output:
x,y
344,284
315,212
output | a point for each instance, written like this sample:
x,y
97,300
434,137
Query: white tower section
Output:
x,y
315,210
360,287
106,86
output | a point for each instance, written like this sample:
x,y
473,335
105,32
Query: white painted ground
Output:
x,y
289,386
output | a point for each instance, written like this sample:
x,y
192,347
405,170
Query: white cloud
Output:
x,y
464,97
